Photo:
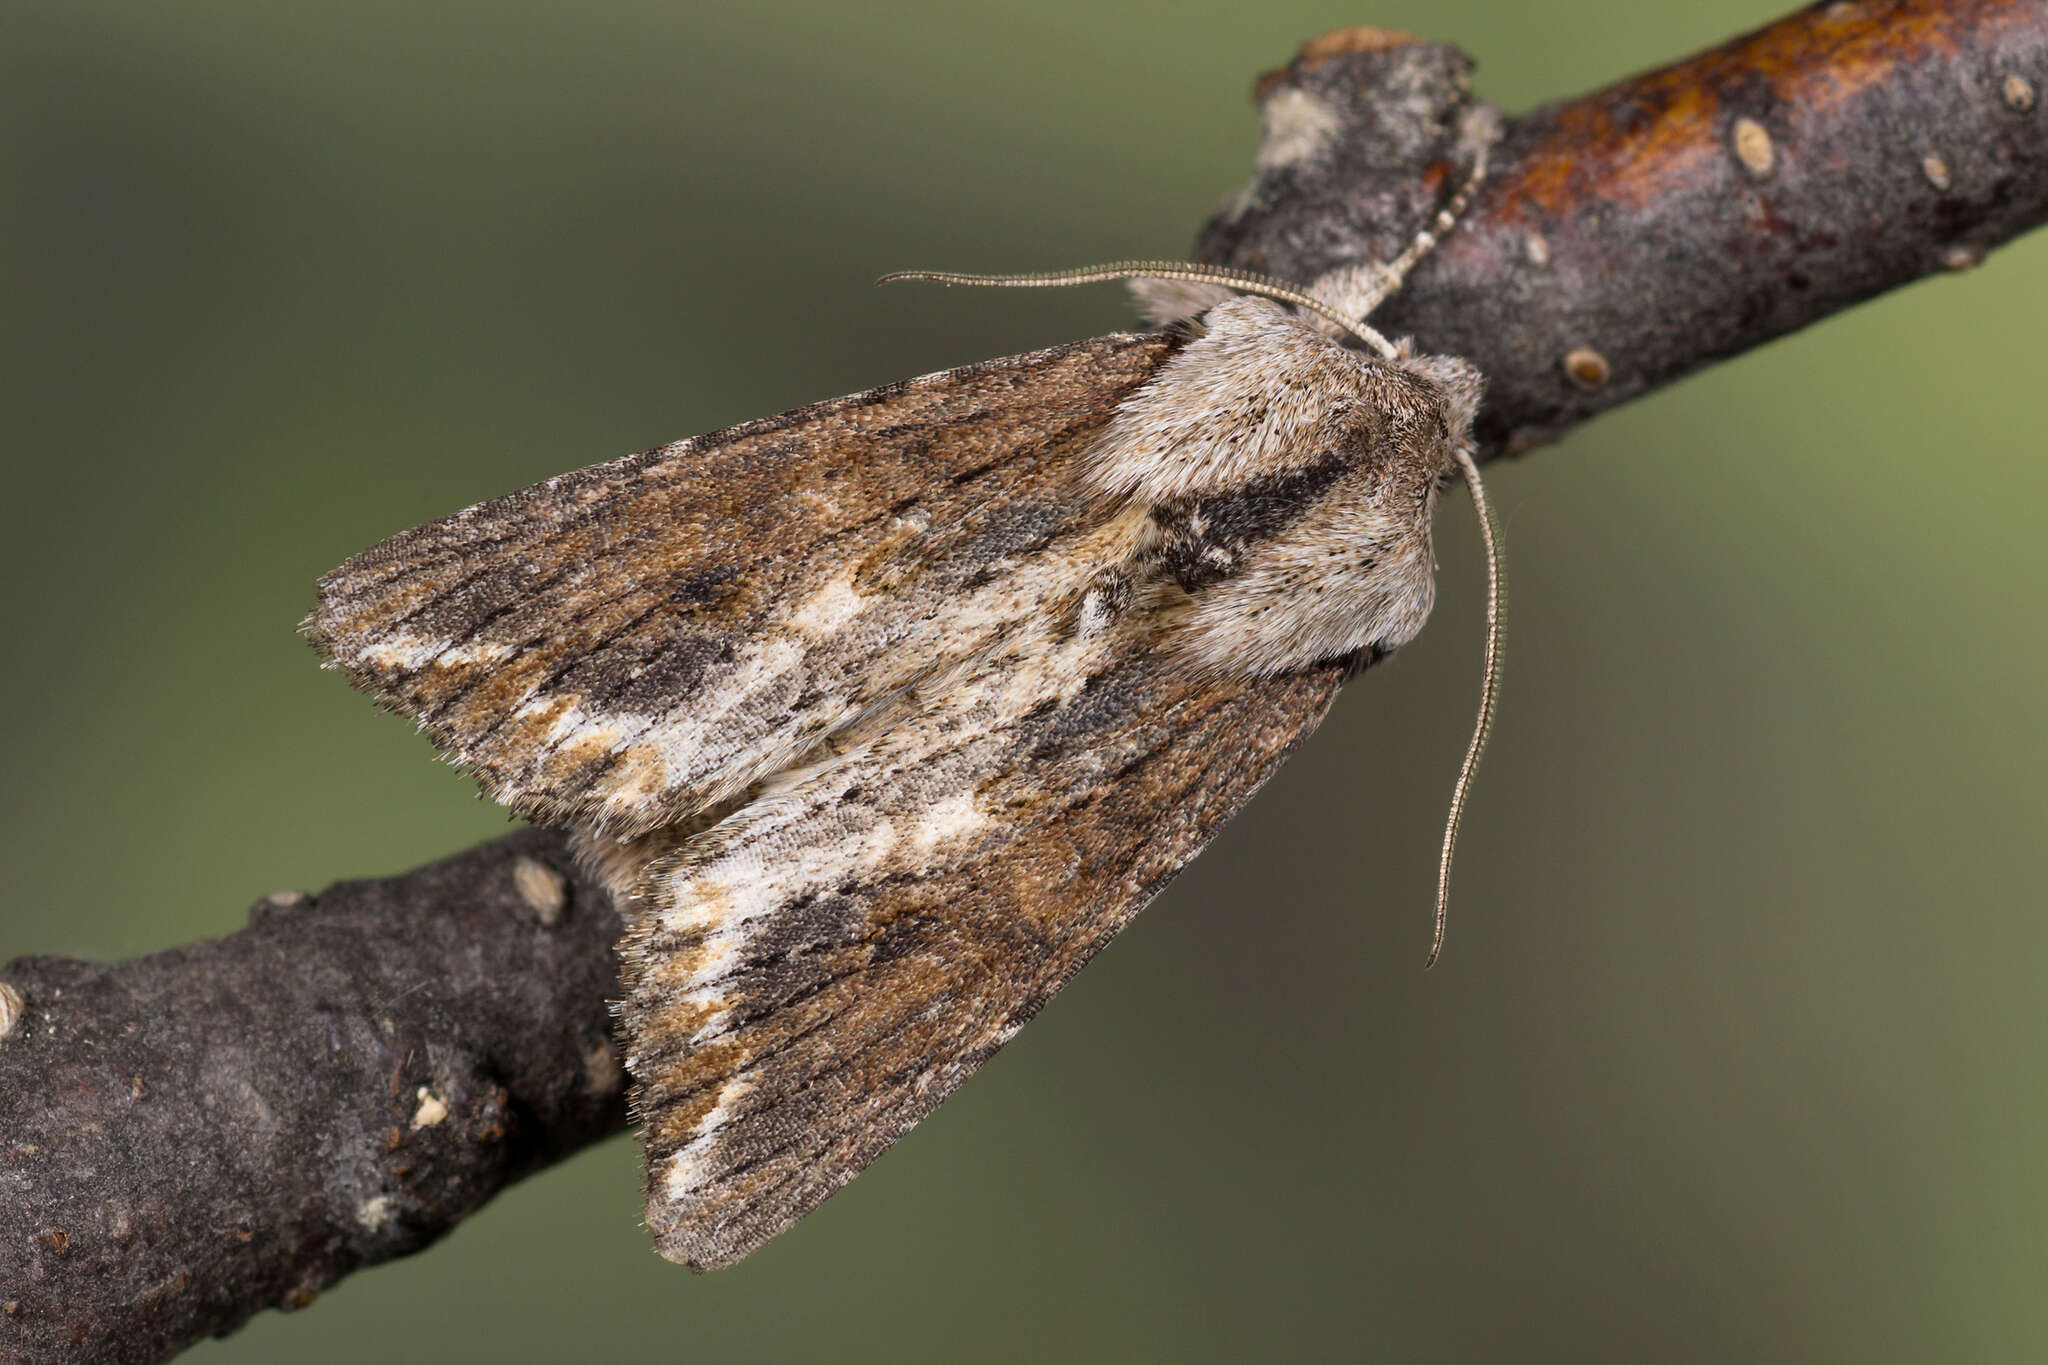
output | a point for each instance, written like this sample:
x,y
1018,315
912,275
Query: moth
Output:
x,y
883,715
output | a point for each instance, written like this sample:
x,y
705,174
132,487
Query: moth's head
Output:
x,y
1459,388
1411,423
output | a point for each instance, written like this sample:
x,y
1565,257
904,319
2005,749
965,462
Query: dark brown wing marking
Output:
x,y
631,642
819,971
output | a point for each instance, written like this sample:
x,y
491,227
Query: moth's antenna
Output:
x,y
1242,280
1489,695
1389,277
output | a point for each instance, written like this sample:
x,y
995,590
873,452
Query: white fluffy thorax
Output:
x,y
1243,401
1293,483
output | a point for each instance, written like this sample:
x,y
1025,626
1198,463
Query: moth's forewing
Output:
x,y
632,642
891,711
818,972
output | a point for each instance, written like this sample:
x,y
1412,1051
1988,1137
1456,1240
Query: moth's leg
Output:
x,y
1165,302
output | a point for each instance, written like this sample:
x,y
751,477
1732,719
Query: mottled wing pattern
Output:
x,y
815,974
632,642
888,713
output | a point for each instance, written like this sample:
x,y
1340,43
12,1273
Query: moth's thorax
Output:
x,y
1291,483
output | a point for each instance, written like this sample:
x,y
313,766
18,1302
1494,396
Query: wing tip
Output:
x,y
345,648
683,1250
685,1236
340,651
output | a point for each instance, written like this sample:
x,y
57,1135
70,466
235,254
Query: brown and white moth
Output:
x,y
885,714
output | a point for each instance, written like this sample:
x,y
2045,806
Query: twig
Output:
x,y
191,1137
202,1133
1632,236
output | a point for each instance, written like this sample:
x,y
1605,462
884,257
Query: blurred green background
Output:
x,y
1736,1050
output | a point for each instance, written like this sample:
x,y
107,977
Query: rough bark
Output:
x,y
202,1133
1629,237
191,1137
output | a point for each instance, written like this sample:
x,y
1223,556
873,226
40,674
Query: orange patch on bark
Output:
x,y
1637,142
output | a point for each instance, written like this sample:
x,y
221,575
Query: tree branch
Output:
x,y
1627,238
196,1135
202,1133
